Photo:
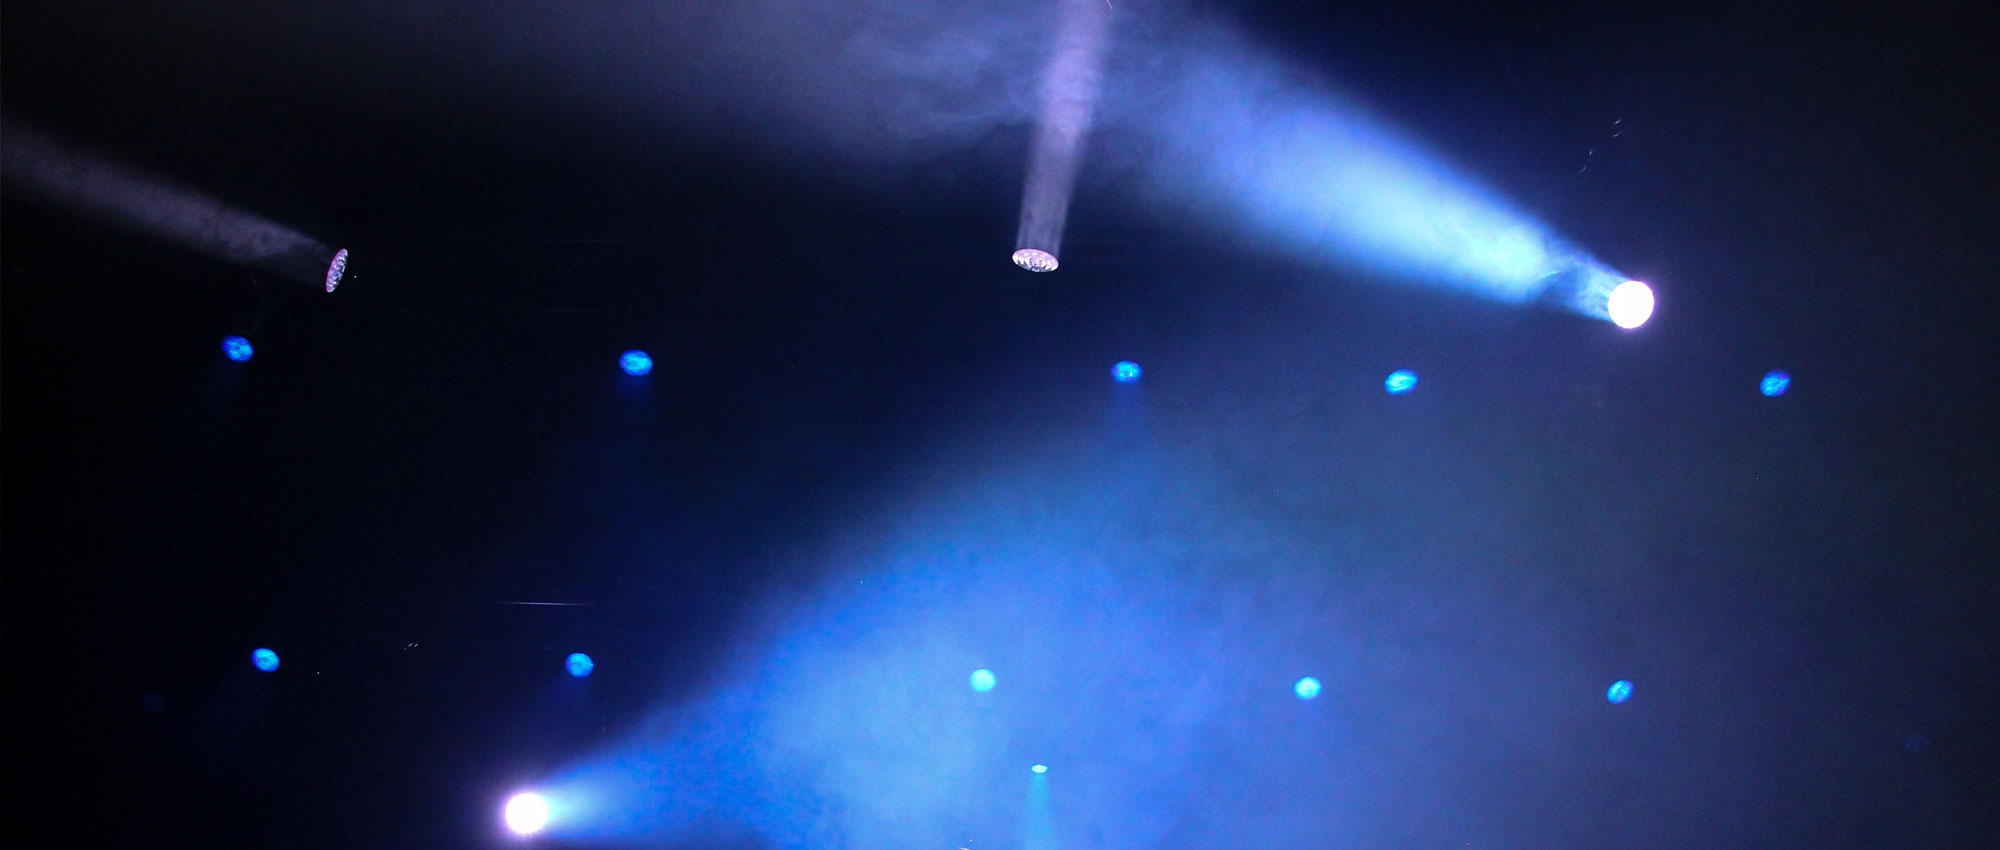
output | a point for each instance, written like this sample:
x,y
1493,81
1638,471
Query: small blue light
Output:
x,y
1619,692
1307,688
982,680
1040,768
579,664
1775,384
635,362
237,348
1126,372
1400,382
264,659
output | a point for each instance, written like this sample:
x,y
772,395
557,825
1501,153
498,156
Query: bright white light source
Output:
x,y
1035,260
1631,304
335,269
527,813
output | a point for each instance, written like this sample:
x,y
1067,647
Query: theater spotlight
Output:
x,y
264,659
1630,304
526,813
237,348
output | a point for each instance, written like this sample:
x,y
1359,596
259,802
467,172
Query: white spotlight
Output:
x,y
1035,260
1631,304
526,813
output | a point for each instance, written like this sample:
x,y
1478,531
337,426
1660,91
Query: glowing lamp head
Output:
x,y
1040,768
237,348
1126,372
982,680
1774,384
1630,305
1035,260
335,269
1306,688
1619,692
264,659
635,362
1400,381
526,813
579,664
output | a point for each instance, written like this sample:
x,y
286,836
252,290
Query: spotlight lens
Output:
x,y
635,362
1035,260
264,659
1040,768
1126,372
237,348
1775,384
335,269
982,680
1400,382
1307,688
526,813
579,664
1631,304
1619,692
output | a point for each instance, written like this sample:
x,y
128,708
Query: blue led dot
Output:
x,y
579,664
1306,688
1126,372
982,680
1400,382
1040,768
635,362
1774,384
237,348
264,659
1619,692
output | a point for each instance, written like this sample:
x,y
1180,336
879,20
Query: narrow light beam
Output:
x,y
1069,95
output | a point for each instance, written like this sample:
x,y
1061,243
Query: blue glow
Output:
x,y
1126,372
635,362
579,664
1400,381
1619,692
1040,768
1775,384
982,680
264,659
1307,688
237,348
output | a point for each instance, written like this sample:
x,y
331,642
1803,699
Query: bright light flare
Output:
x,y
1400,382
1630,305
526,813
1035,260
983,680
335,269
1040,768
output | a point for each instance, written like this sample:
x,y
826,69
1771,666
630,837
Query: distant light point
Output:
x,y
237,348
264,659
1774,384
635,362
579,664
1400,381
1619,692
983,680
1306,688
1126,372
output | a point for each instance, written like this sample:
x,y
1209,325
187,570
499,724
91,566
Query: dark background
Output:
x,y
447,434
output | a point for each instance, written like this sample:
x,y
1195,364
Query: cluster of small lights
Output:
x,y
1619,692
635,362
237,348
1400,381
579,664
337,268
264,659
1035,260
1774,384
1126,372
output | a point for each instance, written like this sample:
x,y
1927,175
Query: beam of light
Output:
x,y
1126,372
635,363
579,665
264,659
1400,381
1306,688
101,188
982,680
237,348
526,813
1070,88
1774,384
1619,692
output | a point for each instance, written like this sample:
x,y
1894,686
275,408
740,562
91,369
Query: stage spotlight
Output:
x,y
1035,260
238,349
1775,384
982,680
1307,688
264,659
635,362
1040,768
1126,372
579,664
335,269
526,813
1619,692
1400,381
1630,305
